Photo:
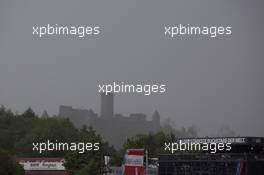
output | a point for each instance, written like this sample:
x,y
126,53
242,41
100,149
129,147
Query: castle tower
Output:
x,y
107,105
45,114
156,120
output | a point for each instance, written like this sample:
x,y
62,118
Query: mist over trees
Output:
x,y
226,131
168,126
19,131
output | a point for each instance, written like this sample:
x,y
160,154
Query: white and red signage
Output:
x,y
134,162
42,164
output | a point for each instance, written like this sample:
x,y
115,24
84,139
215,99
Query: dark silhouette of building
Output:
x,y
107,105
115,128
45,114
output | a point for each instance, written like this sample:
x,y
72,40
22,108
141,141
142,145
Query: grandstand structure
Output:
x,y
245,158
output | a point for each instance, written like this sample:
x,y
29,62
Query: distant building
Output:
x,y
107,105
45,114
79,117
115,128
156,120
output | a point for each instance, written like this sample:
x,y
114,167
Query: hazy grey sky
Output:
x,y
210,83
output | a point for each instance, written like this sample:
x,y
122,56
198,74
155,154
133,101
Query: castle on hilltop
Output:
x,y
114,128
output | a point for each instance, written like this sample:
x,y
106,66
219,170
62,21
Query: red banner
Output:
x,y
134,162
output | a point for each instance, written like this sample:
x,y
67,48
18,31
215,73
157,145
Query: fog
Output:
x,y
210,82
